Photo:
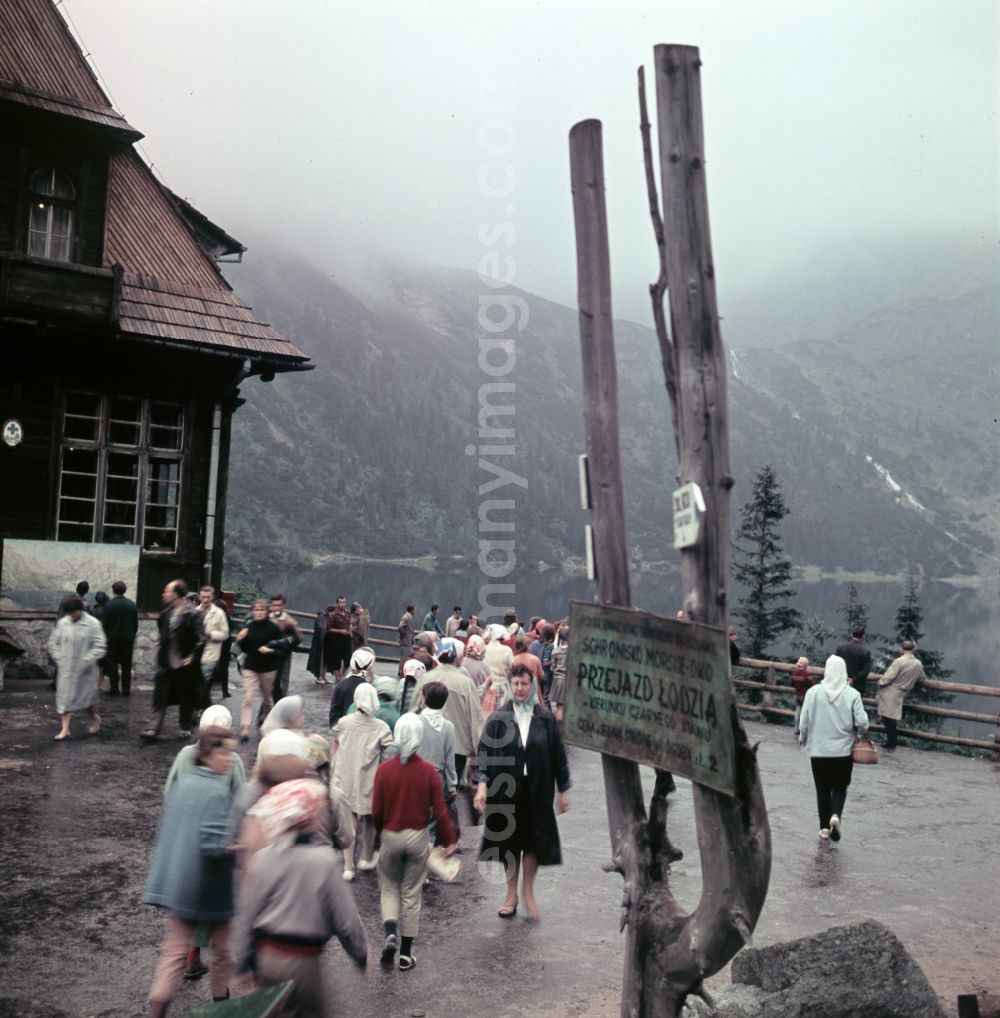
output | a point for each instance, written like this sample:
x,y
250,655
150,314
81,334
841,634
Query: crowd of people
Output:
x,y
257,870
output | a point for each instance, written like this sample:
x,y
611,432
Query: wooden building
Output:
x,y
122,348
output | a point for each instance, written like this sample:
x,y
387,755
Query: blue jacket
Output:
x,y
191,875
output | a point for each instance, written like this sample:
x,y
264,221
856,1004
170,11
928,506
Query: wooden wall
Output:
x,y
40,365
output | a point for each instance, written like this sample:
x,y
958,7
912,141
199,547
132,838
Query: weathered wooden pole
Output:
x,y
668,952
734,837
622,783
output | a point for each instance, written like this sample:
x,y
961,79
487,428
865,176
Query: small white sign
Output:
x,y
689,506
13,433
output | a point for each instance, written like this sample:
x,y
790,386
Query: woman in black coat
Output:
x,y
522,761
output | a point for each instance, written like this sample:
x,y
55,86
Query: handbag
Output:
x,y
864,752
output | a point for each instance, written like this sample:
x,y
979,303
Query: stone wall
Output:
x,y
33,635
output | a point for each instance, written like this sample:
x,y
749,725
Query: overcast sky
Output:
x,y
829,125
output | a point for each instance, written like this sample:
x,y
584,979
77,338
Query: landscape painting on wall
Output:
x,y
36,575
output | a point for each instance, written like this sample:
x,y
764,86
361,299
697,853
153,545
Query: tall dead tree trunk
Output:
x,y
669,952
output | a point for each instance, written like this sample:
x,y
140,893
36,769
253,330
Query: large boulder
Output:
x,y
856,971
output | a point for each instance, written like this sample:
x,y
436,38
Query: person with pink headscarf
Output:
x,y
294,900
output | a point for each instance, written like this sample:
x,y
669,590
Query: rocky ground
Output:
x,y
78,819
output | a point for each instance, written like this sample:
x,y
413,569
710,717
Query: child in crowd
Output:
x,y
801,681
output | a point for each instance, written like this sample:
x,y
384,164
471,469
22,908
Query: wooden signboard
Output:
x,y
651,689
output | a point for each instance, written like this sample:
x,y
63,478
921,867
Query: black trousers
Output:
x,y
890,732
119,657
831,776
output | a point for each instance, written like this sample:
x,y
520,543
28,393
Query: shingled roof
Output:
x,y
172,288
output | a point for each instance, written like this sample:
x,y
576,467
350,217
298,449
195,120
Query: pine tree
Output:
x,y
810,636
909,619
763,571
854,610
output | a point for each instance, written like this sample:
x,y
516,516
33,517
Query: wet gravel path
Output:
x,y
78,819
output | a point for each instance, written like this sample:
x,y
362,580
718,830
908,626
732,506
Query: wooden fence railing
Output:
x,y
772,689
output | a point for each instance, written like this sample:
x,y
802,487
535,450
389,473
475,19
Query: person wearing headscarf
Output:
x,y
522,761
461,706
361,740
387,689
289,712
413,671
77,646
294,900
362,661
285,755
217,717
499,658
832,717
407,790
185,762
474,666
191,874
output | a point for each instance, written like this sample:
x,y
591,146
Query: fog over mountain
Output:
x,y
884,437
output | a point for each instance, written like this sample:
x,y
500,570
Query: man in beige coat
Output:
x,y
900,677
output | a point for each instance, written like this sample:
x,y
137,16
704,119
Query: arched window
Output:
x,y
50,226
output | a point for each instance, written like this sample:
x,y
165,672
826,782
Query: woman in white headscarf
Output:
x,y
362,662
362,740
186,760
289,712
832,716
407,790
499,658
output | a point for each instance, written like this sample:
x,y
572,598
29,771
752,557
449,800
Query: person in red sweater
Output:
x,y
407,789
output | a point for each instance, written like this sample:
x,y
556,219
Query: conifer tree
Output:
x,y
854,611
909,619
762,568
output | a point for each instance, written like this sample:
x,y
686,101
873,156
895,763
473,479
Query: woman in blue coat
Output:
x,y
191,875
521,761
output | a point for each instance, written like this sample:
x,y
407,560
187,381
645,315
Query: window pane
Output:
x,y
76,510
166,415
160,540
123,434
120,489
52,182
75,532
124,408
84,404
122,466
83,429
165,438
159,516
119,535
120,514
78,486
80,461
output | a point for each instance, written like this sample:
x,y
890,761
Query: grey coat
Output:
x,y
900,677
77,649
191,875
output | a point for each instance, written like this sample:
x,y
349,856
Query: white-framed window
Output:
x,y
120,471
50,223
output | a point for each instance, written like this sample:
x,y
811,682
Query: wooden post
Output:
x,y
668,953
770,682
622,783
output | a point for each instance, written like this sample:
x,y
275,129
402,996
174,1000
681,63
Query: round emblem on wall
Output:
x,y
13,433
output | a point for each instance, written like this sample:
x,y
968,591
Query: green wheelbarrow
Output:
x,y
259,1004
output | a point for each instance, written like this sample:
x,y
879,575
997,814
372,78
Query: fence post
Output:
x,y
768,699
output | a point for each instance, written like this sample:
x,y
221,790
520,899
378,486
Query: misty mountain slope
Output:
x,y
899,410
370,453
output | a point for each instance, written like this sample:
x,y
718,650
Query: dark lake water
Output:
x,y
961,621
